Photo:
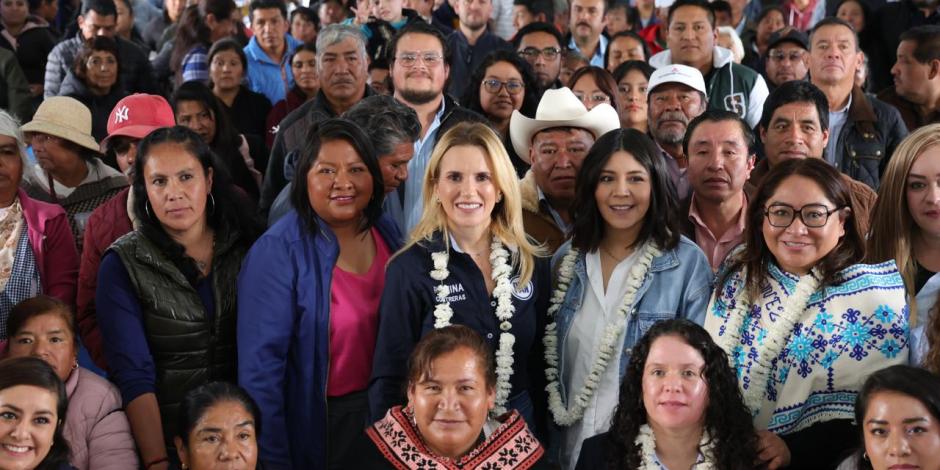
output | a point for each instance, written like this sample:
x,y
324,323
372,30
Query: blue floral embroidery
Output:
x,y
890,348
884,313
856,334
824,322
801,347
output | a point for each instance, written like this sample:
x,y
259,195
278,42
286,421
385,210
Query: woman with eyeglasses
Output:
x,y
593,85
802,320
502,84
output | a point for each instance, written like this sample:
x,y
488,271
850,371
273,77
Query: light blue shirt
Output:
x,y
598,58
266,76
560,222
414,206
837,120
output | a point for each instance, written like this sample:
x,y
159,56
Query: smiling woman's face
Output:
x,y
675,393
28,422
451,402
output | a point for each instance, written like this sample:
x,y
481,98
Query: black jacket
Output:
x,y
868,138
100,106
890,21
33,47
406,315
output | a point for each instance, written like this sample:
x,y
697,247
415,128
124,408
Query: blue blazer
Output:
x,y
283,336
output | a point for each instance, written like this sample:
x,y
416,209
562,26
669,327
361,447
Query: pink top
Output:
x,y
354,323
716,250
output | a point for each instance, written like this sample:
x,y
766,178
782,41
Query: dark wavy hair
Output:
x,y
35,372
917,383
604,80
231,211
228,44
530,100
199,400
41,304
226,142
330,130
447,340
661,223
727,419
756,257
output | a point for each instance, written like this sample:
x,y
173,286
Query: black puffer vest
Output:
x,y
189,347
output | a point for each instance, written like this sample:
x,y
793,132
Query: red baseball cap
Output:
x,y
137,115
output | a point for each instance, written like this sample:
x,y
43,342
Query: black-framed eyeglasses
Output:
x,y
492,85
532,53
812,215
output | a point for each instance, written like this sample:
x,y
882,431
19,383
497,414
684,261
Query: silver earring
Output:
x,y
212,202
147,209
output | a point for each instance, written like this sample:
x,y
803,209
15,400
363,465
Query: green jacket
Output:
x,y
188,349
14,90
731,86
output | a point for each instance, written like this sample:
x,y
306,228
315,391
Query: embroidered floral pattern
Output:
x,y
511,445
802,352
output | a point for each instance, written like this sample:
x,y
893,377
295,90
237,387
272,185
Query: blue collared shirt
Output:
x,y
414,206
598,58
266,76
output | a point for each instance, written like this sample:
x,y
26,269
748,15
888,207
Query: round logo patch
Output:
x,y
522,294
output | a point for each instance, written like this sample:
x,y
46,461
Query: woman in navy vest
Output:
x,y
166,291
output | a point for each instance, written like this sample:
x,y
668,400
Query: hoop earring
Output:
x,y
865,455
212,203
147,209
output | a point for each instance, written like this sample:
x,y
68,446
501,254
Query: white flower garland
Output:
x,y
777,333
646,441
606,349
499,261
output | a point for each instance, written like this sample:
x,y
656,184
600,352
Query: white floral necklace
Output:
x,y
777,333
646,441
566,416
500,271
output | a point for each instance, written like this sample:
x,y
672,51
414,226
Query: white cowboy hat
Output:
x,y
560,108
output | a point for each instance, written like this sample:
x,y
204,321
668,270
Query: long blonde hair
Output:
x,y
892,227
506,218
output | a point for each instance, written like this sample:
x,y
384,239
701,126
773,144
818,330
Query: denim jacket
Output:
x,y
678,285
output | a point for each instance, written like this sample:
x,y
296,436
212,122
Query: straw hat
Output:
x,y
560,108
66,118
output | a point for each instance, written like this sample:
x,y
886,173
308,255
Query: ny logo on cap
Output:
x,y
121,115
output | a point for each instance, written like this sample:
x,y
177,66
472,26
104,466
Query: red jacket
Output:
x,y
53,246
106,224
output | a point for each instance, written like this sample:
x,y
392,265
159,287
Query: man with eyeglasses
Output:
x,y
675,95
419,70
795,124
786,58
99,18
471,42
540,45
555,143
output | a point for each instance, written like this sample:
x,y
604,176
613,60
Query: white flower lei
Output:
x,y
606,350
499,261
646,441
776,337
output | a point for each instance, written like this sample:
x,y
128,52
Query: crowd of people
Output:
x,y
469,234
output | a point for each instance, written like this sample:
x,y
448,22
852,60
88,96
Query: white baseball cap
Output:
x,y
677,73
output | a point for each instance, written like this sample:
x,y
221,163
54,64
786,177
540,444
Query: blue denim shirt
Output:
x,y
678,285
